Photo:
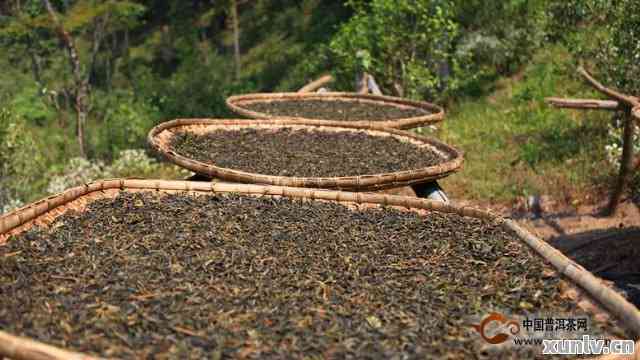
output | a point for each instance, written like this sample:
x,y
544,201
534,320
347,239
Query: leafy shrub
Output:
x,y
614,148
195,89
128,163
404,44
131,163
10,205
21,164
603,34
124,125
500,34
77,172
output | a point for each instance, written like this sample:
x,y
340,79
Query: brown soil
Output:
x,y
607,246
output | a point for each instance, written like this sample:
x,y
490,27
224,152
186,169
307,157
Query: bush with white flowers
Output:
x,y
133,162
10,204
614,148
128,163
78,171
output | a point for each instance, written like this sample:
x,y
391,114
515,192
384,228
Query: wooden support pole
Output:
x,y
630,105
625,164
316,84
582,104
20,348
362,86
372,85
635,112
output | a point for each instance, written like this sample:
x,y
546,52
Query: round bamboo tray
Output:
x,y
45,211
160,139
432,113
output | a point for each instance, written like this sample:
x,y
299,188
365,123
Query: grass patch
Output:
x,y
516,145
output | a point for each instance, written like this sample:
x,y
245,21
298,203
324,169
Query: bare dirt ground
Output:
x,y
609,247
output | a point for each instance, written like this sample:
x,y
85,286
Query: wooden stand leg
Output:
x,y
625,165
430,190
198,177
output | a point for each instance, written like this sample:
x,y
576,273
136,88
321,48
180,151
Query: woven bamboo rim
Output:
x,y
46,210
434,112
160,137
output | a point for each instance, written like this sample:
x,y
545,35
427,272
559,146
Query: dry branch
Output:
x,y
583,103
631,108
630,100
319,82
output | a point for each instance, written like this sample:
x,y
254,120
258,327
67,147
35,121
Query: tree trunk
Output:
x,y
236,36
625,163
80,82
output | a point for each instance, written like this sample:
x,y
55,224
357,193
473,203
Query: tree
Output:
x,y
81,81
614,55
236,36
409,46
81,28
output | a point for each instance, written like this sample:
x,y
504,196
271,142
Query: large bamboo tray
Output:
x,y
433,113
160,139
45,211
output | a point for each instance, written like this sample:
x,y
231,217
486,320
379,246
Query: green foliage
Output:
x,y
515,144
619,58
28,103
402,43
164,59
604,35
195,89
500,34
125,124
128,163
21,161
120,14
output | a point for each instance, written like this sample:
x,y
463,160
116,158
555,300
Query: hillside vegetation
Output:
x,y
141,62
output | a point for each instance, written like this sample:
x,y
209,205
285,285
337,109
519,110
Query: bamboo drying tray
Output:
x,y
45,211
160,139
433,113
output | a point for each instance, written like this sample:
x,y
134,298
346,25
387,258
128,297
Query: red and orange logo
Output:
x,y
503,321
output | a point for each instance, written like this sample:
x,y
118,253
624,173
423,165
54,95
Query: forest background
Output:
x,y
83,81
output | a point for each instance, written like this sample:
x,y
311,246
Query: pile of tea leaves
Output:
x,y
303,152
150,275
340,110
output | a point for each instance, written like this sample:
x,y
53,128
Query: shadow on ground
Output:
x,y
611,254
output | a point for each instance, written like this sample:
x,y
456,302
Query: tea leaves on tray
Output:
x,y
303,153
341,110
182,276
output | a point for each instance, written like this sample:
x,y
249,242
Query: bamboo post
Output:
x,y
19,348
625,163
362,84
630,106
373,86
431,189
316,84
583,104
